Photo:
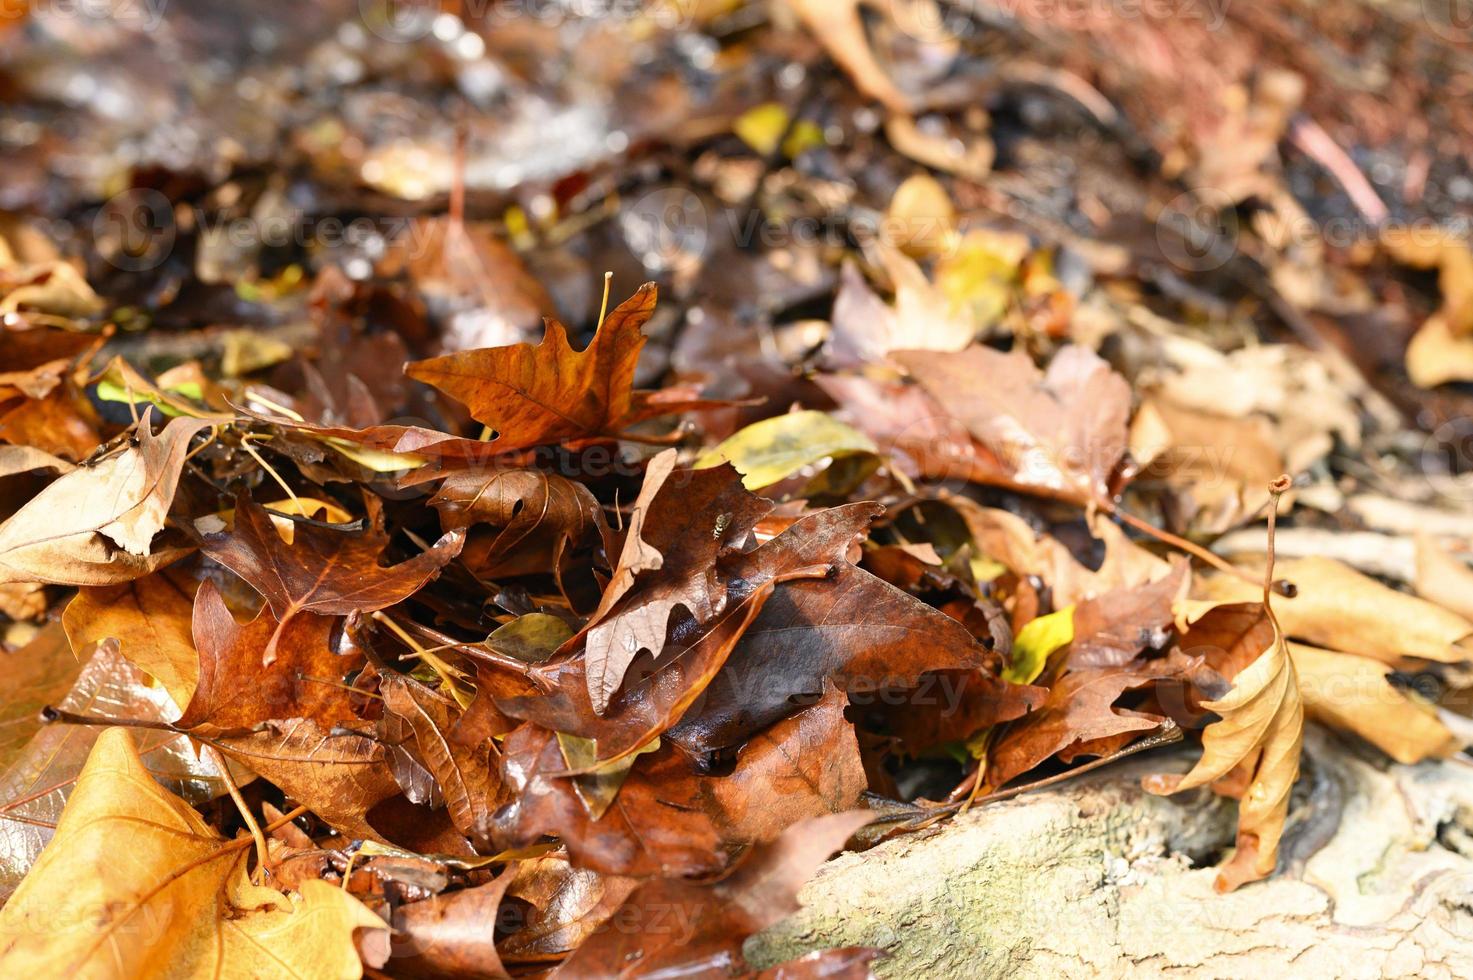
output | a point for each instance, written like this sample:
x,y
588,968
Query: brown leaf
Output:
x,y
451,935
669,561
467,775
537,395
1443,579
1060,432
567,905
95,524
322,571
861,632
808,548
1080,708
236,691
701,928
340,776
535,519
639,834
1112,628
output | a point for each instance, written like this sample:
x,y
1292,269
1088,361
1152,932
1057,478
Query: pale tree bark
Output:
x,y
1097,878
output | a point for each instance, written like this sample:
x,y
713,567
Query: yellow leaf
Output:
x,y
1260,731
1036,642
136,884
150,618
1443,579
1352,693
1339,608
773,449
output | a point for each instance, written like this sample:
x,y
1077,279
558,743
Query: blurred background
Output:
x,y
360,182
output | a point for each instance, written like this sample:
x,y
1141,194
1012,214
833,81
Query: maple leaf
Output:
x,y
95,524
322,571
1061,432
39,778
534,395
812,547
237,691
78,913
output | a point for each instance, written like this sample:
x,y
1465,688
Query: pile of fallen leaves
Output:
x,y
352,623
557,680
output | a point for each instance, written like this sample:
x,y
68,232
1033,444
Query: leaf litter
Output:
x,y
359,624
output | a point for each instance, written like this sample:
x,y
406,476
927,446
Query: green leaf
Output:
x,y
773,449
1036,642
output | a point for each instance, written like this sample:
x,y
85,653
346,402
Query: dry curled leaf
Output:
x,y
96,524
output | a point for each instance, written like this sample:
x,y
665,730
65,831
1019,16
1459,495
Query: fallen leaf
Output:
x,y
237,692
1354,694
38,780
1443,579
1060,432
467,775
150,619
1260,730
323,571
776,448
452,935
95,524
837,24
532,396
668,562
714,919
1036,642
1112,628
1079,709
1338,608
177,896
810,548
535,519
36,675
